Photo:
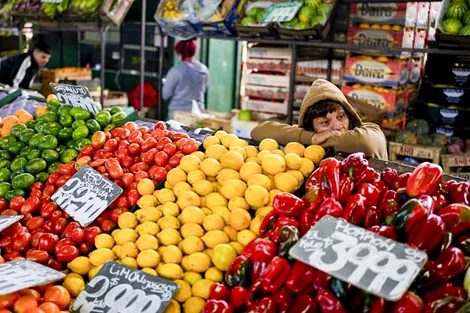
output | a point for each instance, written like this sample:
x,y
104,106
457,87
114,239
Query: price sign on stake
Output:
x,y
281,12
76,96
86,195
379,265
21,274
8,220
118,288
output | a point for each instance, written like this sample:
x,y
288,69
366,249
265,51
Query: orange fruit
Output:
x,y
6,130
50,97
41,111
26,117
10,120
20,112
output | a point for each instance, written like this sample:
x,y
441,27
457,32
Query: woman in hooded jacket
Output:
x,y
327,119
186,81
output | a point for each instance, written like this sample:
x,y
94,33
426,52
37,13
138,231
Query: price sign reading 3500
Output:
x,y
377,264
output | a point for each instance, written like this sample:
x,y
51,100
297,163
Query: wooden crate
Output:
x,y
428,153
451,163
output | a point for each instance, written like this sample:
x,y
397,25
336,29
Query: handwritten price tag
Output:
x,y
76,96
8,220
21,274
379,265
118,288
86,195
281,12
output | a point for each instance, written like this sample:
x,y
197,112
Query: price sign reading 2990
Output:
x,y
371,262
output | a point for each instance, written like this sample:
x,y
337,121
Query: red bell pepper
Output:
x,y
300,277
266,305
408,216
306,222
268,222
238,297
288,237
447,305
281,222
255,294
303,303
424,180
381,185
287,204
427,234
355,209
374,305
456,217
263,251
219,291
239,272
367,176
385,231
313,181
409,303
328,303
275,274
440,200
329,178
373,217
428,203
313,199
441,291
283,298
463,242
450,263
354,164
446,242
346,188
446,186
371,193
389,176
460,193
401,181
321,280
329,207
217,306
389,203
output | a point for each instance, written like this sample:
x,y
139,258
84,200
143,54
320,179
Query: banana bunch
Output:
x,y
169,11
86,8
54,9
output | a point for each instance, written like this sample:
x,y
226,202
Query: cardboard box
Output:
x,y
378,13
242,128
456,164
267,92
380,39
225,27
268,80
270,65
398,150
270,53
267,106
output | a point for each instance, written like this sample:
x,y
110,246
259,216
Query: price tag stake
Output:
x,y
86,195
76,96
8,220
379,265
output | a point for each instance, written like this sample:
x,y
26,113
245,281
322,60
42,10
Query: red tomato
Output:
x,y
114,168
132,186
58,295
60,225
98,139
3,204
66,169
121,202
141,175
175,160
62,243
67,253
163,141
57,214
54,264
35,239
37,185
7,301
123,144
22,242
87,151
11,255
16,203
68,230
81,162
108,135
31,205
49,307
169,149
179,136
10,230
53,177
135,134
130,126
190,146
98,154
24,303
48,209
156,133
124,134
134,148
49,190
180,143
101,169
148,156
116,131
144,130
133,196
140,166
148,144
47,242
107,225
6,243
78,235
110,145
26,218
127,179
20,230
35,223
160,174
38,256
115,214
33,293
85,247
161,158
138,140
48,226
62,180
34,310
91,233
160,125
120,153
9,212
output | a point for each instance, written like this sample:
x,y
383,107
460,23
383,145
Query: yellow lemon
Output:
x,y
260,180
192,214
127,220
230,232
227,174
215,152
181,187
262,212
170,209
272,194
189,163
285,182
101,256
209,141
279,153
169,222
146,242
292,161
192,244
228,139
173,307
238,203
255,224
249,169
203,187
233,188
199,262
223,212
219,134
148,258
257,196
295,147
194,304
215,199
126,235
128,250
74,286
239,150
238,247
252,160
195,176
210,167
214,274
172,254
148,228
184,291
223,256
200,155
213,222
104,241
175,175
188,198
306,167
151,214
273,164
298,175
94,270
215,237
314,153
232,160
169,236
117,251
165,195
145,187
238,143
240,219
150,271
251,152
262,155
268,144
192,277
202,288
245,236
191,229
147,201
170,271
80,265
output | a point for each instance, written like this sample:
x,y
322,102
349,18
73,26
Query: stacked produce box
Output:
x,y
66,73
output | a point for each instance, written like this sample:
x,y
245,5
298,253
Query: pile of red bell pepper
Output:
x,y
413,208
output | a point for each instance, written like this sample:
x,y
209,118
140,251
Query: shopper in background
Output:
x,y
186,81
327,119
20,70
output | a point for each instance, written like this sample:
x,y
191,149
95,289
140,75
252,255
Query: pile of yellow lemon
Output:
x,y
211,207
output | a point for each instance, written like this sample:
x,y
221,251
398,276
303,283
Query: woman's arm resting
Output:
x,y
282,133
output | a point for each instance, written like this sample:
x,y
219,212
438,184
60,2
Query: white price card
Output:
x,y
281,12
379,265
76,96
8,220
86,195
118,288
21,274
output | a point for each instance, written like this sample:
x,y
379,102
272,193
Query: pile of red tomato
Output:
x,y
44,299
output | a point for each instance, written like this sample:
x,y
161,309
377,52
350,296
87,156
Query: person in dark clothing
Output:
x,y
20,70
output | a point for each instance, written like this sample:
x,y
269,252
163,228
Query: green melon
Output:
x,y
456,10
452,26
461,1
253,12
291,23
247,21
317,20
466,18
259,16
313,3
325,9
306,13
465,31
302,25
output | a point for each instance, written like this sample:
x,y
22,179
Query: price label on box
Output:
x,y
21,274
118,288
8,220
76,96
86,195
281,12
379,265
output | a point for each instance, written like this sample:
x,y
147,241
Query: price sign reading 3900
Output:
x,y
371,262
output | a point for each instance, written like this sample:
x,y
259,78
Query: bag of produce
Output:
x,y
175,18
